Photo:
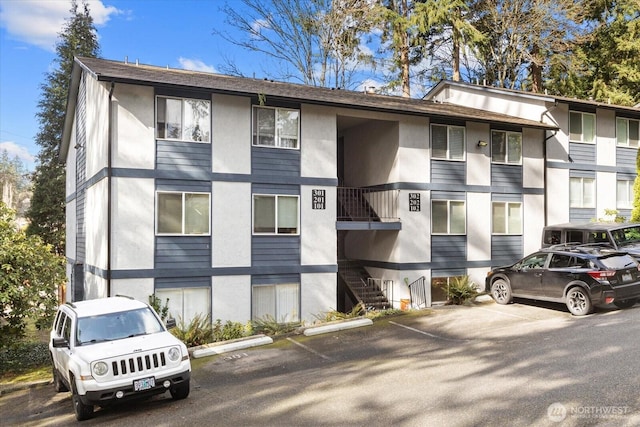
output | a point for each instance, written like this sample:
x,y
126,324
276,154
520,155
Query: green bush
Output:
x,y
198,332
156,303
230,330
24,355
333,315
270,326
461,290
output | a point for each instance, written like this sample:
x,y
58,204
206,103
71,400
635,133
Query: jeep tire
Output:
x,y
82,411
180,391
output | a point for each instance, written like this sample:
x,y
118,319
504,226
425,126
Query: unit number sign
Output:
x,y
414,202
318,199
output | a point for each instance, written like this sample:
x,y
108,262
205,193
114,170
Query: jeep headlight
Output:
x,y
174,354
100,369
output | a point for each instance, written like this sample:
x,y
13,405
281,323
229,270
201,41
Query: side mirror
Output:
x,y
170,323
60,343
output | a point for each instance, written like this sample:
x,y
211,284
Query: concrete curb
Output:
x,y
10,388
332,327
226,346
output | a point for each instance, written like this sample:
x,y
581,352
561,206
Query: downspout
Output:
x,y
109,175
545,160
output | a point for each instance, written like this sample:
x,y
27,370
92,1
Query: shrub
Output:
x,y
24,355
156,303
460,290
268,325
230,330
356,311
198,332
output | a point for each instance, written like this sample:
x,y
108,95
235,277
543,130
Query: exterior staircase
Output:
x,y
361,286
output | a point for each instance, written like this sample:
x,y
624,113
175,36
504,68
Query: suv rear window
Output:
x,y
618,261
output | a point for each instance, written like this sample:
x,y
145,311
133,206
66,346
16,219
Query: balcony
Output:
x,y
367,209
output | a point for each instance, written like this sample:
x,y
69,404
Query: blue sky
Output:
x,y
177,33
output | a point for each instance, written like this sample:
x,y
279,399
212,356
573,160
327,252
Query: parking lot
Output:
x,y
486,364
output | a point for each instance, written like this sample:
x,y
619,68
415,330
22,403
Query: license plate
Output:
x,y
144,384
626,277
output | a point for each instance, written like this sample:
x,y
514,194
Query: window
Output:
x,y
448,217
275,214
183,119
186,303
582,192
440,287
447,142
506,217
182,213
624,194
506,147
582,127
279,302
275,127
628,132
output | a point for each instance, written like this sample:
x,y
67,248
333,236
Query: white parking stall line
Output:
x,y
309,349
427,333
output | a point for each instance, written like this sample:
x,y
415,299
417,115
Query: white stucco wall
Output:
x,y
558,204
413,150
231,298
96,224
94,286
478,226
317,295
134,144
606,194
478,158
532,222
533,159
558,144
231,224
606,139
139,289
133,230
318,227
231,134
318,144
97,110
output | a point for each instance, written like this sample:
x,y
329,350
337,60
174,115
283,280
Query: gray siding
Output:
x,y
274,279
449,272
582,214
582,153
275,251
448,249
182,282
626,157
506,249
183,252
183,156
507,177
448,195
504,197
81,171
447,172
183,185
275,162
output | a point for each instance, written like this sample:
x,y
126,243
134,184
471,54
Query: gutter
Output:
x,y
109,186
546,161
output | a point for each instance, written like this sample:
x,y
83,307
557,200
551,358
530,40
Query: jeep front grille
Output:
x,y
139,363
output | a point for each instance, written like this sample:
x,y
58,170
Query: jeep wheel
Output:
x,y
578,301
180,391
625,303
501,291
58,385
82,411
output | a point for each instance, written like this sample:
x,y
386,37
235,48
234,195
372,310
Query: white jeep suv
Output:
x,y
115,349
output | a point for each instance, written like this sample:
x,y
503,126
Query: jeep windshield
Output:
x,y
115,326
626,236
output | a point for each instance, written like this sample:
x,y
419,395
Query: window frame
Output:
x,y
183,216
449,215
255,136
627,124
278,317
507,219
173,301
582,127
582,192
276,207
507,150
182,118
630,194
448,150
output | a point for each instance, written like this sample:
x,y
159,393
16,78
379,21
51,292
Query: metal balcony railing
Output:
x,y
365,204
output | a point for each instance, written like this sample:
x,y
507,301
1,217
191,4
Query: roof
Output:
x,y
533,95
99,306
134,73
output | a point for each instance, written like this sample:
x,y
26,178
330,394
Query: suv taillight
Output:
x,y
602,275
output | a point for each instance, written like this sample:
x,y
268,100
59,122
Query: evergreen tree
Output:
x,y
47,211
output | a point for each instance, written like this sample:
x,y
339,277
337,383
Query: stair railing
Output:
x,y
418,292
